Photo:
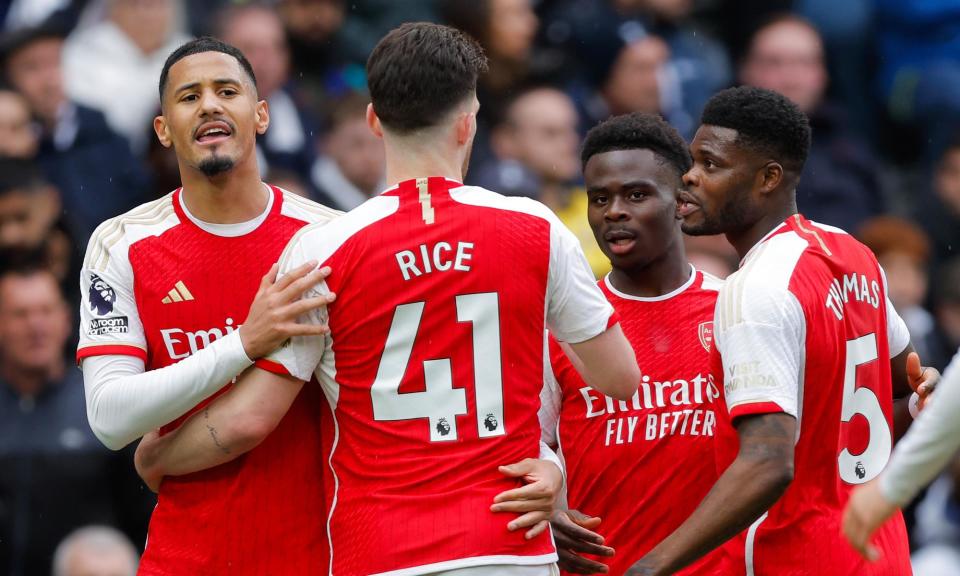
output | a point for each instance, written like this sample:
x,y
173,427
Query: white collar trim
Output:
x,y
675,292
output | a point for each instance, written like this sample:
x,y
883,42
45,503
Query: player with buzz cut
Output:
x,y
805,343
643,465
434,361
165,325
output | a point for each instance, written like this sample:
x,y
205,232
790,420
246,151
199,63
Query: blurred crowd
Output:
x,y
879,79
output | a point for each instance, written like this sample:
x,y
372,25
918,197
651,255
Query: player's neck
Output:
x,y
656,278
235,196
410,161
746,239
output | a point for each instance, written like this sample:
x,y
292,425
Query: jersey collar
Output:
x,y
673,293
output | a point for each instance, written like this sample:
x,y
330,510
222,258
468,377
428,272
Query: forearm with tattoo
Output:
x,y
754,481
213,431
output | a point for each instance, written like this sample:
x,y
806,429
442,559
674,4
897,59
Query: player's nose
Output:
x,y
616,209
210,102
691,177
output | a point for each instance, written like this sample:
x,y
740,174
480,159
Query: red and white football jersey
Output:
x,y
434,367
805,328
173,285
645,464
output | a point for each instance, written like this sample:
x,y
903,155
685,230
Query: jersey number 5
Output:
x,y
441,403
861,468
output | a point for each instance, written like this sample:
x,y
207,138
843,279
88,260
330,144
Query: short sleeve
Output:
x,y
576,308
760,337
299,356
109,319
898,335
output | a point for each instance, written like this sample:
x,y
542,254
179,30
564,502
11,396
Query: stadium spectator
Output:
x,y
351,169
506,29
89,164
114,64
18,139
258,32
903,249
54,474
535,151
942,217
919,57
947,302
327,53
30,219
839,185
95,551
641,56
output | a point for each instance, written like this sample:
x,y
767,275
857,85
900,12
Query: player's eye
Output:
x,y
599,200
637,195
708,163
188,98
228,92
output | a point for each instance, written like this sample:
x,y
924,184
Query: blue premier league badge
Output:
x,y
102,296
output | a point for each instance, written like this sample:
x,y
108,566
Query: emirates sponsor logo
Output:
x,y
681,407
181,343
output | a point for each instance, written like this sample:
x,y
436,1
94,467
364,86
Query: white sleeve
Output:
x,y
300,356
550,399
759,332
576,309
928,446
109,320
898,336
124,402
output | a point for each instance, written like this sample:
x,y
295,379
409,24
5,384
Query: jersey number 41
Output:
x,y
441,403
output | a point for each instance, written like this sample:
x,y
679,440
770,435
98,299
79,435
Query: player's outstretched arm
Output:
x,y
912,386
608,364
124,402
233,424
922,453
754,481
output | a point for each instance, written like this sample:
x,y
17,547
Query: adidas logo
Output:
x,y
178,293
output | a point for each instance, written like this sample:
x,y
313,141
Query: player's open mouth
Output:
x,y
620,241
686,204
212,132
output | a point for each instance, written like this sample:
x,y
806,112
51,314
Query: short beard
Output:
x,y
732,216
215,165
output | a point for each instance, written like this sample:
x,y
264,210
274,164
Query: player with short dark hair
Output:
x,y
806,341
434,362
642,465
166,288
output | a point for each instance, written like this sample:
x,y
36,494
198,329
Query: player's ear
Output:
x,y
466,126
162,130
373,121
263,116
770,177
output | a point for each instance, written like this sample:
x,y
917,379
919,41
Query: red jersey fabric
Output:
x,y
434,366
177,288
805,327
642,465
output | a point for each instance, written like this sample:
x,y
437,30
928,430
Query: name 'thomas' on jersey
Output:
x,y
805,328
434,367
159,284
643,465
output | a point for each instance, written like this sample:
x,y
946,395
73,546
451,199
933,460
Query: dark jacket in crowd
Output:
x,y
55,476
839,185
94,169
